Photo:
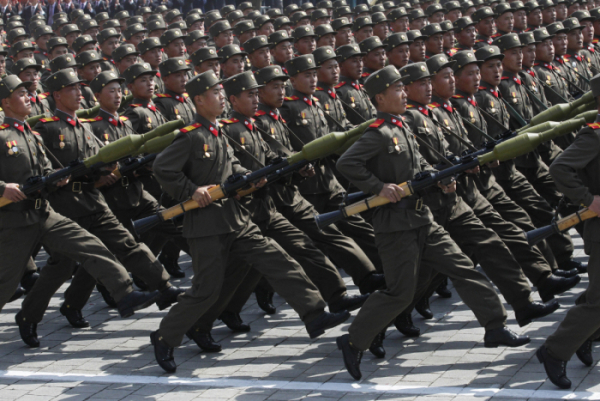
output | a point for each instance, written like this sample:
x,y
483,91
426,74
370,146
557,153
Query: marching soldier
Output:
x,y
384,155
88,67
574,59
142,112
485,25
199,158
151,52
41,35
175,103
576,172
374,58
28,71
560,42
397,49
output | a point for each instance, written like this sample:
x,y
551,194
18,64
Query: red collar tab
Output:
x,y
114,121
530,72
377,123
307,100
33,98
274,115
213,130
559,59
151,106
397,121
594,126
18,126
355,85
546,65
72,121
517,80
472,101
181,98
249,125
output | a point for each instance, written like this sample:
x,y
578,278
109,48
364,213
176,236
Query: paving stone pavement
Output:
x,y
113,359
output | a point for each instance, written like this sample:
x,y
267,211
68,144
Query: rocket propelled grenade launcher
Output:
x,y
110,153
501,150
559,112
534,237
314,150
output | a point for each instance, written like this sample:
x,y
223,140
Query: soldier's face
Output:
x,y
561,12
343,36
382,30
513,60
90,71
467,36
260,58
520,19
575,40
545,51
535,17
306,45
137,38
321,21
305,82
234,65
454,15
417,50
487,26
528,56
211,103
375,59
560,44
549,15
2,64
436,18
443,83
435,43
209,65
273,93
143,87
176,48
266,29
89,46
418,23
468,78
352,68
400,25
392,100
363,33
587,31
24,54
326,40
283,52
399,55
68,98
505,22
41,41
126,62
329,72
491,72
18,103
246,36
246,102
449,39
31,75
110,97
109,45
224,38
420,91
176,82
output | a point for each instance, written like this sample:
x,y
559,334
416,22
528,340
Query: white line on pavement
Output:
x,y
289,385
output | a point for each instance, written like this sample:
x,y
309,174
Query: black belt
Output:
x,y
80,186
411,204
29,204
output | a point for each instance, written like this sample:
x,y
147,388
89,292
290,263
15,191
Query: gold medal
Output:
x,y
10,152
15,150
492,110
353,105
514,100
106,136
447,123
206,154
304,120
397,147
62,141
243,140
272,131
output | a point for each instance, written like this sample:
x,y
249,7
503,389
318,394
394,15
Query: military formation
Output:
x,y
405,143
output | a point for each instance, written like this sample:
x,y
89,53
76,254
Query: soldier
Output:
x,y
576,172
84,43
264,25
258,52
72,141
29,71
353,97
243,31
319,17
548,12
156,28
398,20
30,219
435,13
574,59
282,48
416,19
465,34
325,36
384,155
561,10
520,16
448,36
134,34
70,32
89,28
41,35
380,27
195,40
88,68
397,49
231,230
151,52
108,40
173,43
253,152
362,28
232,60
307,121
485,25
504,19
205,59
374,58
305,40
589,51
283,23
175,103
222,34
434,40
343,31
453,11
142,112
534,15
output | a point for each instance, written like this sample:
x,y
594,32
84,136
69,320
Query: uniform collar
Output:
x,y
66,117
214,129
273,113
247,121
19,125
484,86
116,121
511,77
390,118
308,99
177,96
354,83
445,104
326,88
146,103
418,106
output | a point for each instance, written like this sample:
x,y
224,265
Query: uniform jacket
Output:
x,y
328,99
144,115
354,97
174,106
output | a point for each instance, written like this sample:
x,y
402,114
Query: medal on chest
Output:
x,y
327,108
514,97
13,149
353,104
106,141
243,140
304,120
206,154
62,141
273,132
396,146
492,108
149,125
177,115
472,117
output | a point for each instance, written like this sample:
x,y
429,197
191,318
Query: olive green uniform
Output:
x,y
579,66
200,155
388,153
307,122
354,97
455,216
25,224
577,174
70,140
89,99
175,106
39,105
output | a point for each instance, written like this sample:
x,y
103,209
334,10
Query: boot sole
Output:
x,y
338,341
489,344
131,310
525,322
320,332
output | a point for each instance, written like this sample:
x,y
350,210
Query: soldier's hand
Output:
x,y
392,192
107,180
13,193
594,207
473,170
307,171
448,189
202,196
63,182
494,164
261,183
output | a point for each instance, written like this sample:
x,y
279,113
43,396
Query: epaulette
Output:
x,y
594,126
260,113
4,126
163,95
319,88
458,97
135,105
434,105
44,95
49,119
365,74
123,118
377,123
35,133
98,118
86,120
340,85
289,98
410,106
595,40
190,127
316,99
230,120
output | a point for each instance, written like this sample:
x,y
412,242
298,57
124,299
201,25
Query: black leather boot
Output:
x,y
404,324
352,356
163,353
234,322
204,340
28,331
74,317
555,368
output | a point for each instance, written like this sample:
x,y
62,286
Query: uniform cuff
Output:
x,y
588,199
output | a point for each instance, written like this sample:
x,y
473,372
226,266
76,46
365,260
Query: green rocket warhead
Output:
x,y
541,127
32,121
88,113
561,111
157,145
328,144
128,145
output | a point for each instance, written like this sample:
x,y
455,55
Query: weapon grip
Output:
x,y
4,201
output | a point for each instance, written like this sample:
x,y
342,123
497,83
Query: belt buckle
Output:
x,y
125,181
76,187
38,203
419,205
